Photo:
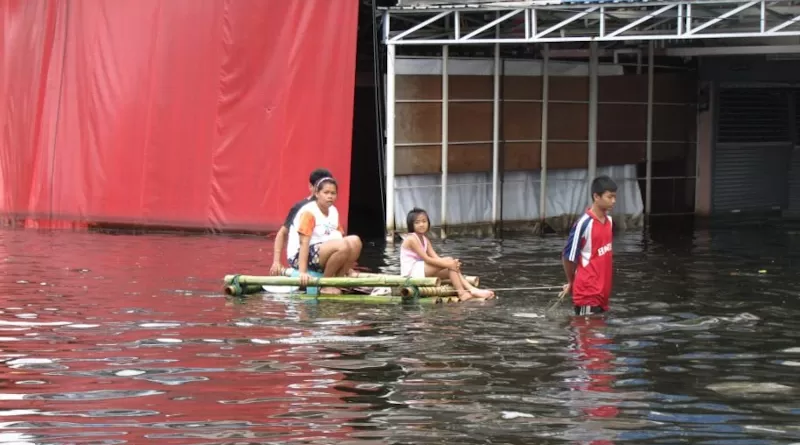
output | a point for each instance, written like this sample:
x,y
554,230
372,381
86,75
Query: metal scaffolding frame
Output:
x,y
674,23
560,22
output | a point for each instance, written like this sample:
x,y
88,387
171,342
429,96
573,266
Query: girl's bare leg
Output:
x,y
432,271
483,294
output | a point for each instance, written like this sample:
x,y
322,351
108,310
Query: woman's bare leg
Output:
x,y
354,245
333,256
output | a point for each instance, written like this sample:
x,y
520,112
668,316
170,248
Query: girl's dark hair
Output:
x,y
323,181
412,216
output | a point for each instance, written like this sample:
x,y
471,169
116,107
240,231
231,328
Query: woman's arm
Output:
x,y
412,242
305,228
302,256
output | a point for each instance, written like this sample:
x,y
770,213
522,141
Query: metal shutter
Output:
x,y
794,183
753,149
794,168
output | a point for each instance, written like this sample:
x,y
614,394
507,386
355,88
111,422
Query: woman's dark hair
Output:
x,y
318,174
323,181
412,216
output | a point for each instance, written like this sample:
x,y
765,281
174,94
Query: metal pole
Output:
x,y
649,157
445,134
545,105
390,121
592,161
496,138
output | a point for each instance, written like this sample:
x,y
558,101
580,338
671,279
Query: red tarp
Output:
x,y
192,113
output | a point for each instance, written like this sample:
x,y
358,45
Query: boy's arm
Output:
x,y
280,241
569,256
569,270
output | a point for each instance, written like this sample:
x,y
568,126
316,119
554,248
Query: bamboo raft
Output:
x,y
371,299
428,290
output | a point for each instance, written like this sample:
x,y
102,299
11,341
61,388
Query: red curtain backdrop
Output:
x,y
189,113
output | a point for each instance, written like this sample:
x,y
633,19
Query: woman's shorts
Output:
x,y
313,259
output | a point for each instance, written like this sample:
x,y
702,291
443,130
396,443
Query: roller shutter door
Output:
x,y
794,169
753,150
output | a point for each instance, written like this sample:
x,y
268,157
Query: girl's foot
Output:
x,y
464,295
483,294
330,291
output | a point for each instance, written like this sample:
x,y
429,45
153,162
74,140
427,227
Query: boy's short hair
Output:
x,y
602,184
318,174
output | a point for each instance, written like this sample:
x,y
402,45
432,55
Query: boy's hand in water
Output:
x,y
567,288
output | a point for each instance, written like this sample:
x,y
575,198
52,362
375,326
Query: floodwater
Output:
x,y
123,339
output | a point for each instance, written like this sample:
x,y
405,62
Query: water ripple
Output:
x,y
122,339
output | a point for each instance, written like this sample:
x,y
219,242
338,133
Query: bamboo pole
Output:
x,y
371,299
243,290
473,280
383,281
428,291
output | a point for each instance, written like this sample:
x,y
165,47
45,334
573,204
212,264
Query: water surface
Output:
x,y
122,339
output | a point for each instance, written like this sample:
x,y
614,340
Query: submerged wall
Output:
x,y
621,138
469,197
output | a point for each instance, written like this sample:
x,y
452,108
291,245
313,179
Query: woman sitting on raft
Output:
x,y
418,259
316,240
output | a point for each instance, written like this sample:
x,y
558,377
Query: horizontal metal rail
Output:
x,y
540,22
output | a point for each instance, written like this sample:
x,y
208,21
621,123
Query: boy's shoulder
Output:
x,y
581,223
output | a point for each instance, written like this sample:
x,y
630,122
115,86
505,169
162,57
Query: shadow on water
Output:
x,y
127,339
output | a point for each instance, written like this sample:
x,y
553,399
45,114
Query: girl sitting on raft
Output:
x,y
418,259
316,240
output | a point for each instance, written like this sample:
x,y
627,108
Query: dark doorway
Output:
x,y
366,167
366,187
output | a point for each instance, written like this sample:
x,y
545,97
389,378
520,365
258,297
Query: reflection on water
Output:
x,y
119,339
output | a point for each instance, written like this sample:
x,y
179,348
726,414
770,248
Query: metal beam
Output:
x,y
593,109
648,199
545,124
496,186
491,24
732,50
445,136
390,140
534,22
638,22
722,17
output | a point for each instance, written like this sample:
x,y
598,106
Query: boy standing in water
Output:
x,y
587,257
